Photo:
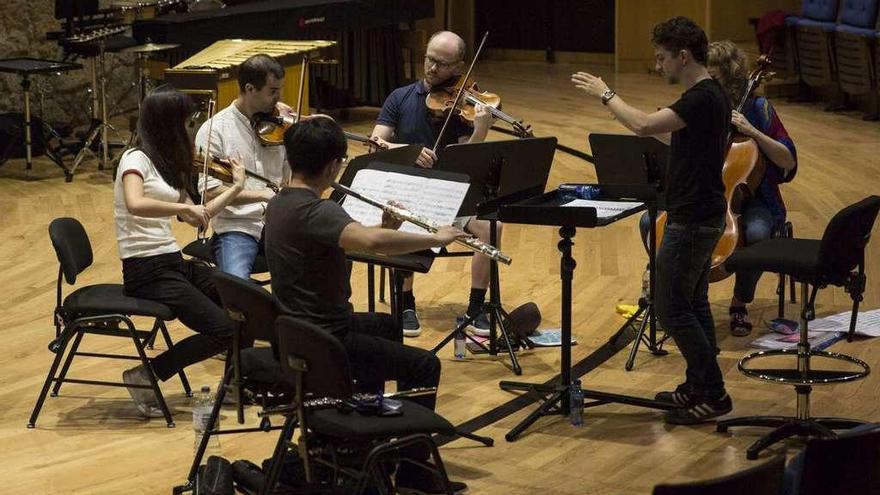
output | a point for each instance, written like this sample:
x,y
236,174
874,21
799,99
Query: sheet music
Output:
x,y
605,209
867,323
436,200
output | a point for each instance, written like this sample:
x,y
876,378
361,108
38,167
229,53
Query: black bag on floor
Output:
x,y
215,478
12,136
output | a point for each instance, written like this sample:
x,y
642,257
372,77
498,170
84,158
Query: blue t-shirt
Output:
x,y
413,123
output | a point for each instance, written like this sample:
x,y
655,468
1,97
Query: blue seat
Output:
x,y
854,42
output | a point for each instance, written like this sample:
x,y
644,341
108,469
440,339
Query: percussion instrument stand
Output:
x,y
99,125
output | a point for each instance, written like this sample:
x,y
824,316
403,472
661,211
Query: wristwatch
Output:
x,y
607,95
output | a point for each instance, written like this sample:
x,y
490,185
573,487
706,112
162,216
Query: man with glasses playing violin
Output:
x,y
405,119
238,229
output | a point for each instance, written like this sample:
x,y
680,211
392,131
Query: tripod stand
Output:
x,y
515,169
99,124
646,304
497,315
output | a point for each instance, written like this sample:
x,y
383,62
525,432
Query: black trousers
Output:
x,y
188,289
374,344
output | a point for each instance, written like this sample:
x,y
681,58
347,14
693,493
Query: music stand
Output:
x,y
632,167
420,262
497,170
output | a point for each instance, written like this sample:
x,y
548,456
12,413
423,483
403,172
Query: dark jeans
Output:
x,y
682,300
374,344
758,225
188,289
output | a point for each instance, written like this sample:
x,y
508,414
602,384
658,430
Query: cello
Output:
x,y
742,173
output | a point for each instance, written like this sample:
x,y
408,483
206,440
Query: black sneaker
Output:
x,y
480,325
417,481
681,397
411,325
702,411
740,326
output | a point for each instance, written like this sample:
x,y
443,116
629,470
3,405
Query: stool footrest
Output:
x,y
812,376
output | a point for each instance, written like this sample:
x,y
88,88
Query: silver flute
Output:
x,y
405,215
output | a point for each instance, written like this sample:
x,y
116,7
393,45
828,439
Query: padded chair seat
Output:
x,y
105,299
798,258
865,32
824,26
415,419
260,366
202,250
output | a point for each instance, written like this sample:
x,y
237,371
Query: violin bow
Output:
x,y
200,233
460,92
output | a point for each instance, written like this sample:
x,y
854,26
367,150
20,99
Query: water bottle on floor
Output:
x,y
576,404
203,403
460,342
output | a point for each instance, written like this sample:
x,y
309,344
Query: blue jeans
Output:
x,y
758,225
235,253
682,301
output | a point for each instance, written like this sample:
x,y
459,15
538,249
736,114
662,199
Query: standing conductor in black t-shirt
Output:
x,y
699,123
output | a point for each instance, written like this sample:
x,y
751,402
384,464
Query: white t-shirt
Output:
x,y
231,135
139,237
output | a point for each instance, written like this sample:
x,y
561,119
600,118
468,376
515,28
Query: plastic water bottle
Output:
x,y
579,191
203,403
460,343
576,404
646,284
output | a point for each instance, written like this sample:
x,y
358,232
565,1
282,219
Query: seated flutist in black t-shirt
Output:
x,y
697,128
306,239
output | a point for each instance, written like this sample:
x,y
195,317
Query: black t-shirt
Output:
x,y
309,271
694,187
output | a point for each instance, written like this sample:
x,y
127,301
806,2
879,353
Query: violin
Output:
x,y
270,129
442,99
221,170
743,170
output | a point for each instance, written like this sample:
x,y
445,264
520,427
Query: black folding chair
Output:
x,y
97,309
253,311
315,365
845,465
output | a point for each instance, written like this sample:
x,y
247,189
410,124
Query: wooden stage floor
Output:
x,y
91,440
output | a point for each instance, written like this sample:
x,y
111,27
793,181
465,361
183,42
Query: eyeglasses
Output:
x,y
431,61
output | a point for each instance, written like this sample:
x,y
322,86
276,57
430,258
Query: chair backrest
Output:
x,y
764,479
845,465
328,373
845,238
859,13
258,306
820,10
72,247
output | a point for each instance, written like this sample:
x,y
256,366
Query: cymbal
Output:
x,y
149,47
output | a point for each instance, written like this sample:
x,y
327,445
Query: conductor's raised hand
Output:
x,y
588,83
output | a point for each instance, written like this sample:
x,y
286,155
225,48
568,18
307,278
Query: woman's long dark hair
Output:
x,y
163,138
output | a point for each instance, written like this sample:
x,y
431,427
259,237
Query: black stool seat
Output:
x,y
202,250
809,377
415,419
102,299
798,258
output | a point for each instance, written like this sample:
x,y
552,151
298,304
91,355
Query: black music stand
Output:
x,y
499,171
25,67
406,156
420,262
547,209
633,167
